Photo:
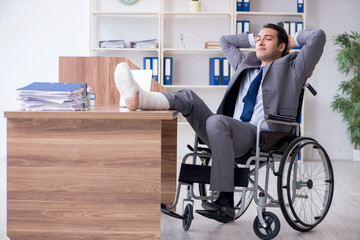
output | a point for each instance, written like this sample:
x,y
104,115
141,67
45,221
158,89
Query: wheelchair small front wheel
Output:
x,y
188,217
272,226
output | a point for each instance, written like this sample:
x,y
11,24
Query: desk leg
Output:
x,y
168,160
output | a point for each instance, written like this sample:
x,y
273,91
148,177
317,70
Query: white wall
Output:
x,y
326,126
33,34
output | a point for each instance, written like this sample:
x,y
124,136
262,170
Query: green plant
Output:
x,y
348,102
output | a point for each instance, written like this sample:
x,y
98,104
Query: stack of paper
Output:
x,y
48,96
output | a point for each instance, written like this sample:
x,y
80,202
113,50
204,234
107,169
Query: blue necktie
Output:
x,y
250,98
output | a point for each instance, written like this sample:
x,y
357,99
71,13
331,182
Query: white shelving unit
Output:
x,y
165,20
168,19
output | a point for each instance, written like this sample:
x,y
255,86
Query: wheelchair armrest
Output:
x,y
281,118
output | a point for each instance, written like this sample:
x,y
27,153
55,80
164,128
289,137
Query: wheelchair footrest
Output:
x,y
170,213
190,173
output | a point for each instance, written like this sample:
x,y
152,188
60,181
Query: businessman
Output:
x,y
267,81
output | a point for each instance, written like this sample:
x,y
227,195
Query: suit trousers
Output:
x,y
228,138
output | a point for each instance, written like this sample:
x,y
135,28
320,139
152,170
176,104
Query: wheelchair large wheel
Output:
x,y
305,184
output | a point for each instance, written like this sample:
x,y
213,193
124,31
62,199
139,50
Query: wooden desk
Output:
x,y
97,174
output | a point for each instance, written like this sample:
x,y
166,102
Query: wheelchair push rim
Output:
x,y
305,184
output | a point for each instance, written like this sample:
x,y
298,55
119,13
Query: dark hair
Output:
x,y
281,34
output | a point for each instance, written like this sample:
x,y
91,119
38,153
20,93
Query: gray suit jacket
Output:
x,y
283,78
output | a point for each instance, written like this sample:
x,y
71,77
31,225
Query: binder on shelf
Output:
x,y
239,6
242,26
246,5
300,6
299,27
225,71
147,63
285,25
292,27
168,61
214,74
155,68
151,63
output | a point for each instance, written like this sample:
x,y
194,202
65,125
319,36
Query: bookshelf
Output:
x,y
165,20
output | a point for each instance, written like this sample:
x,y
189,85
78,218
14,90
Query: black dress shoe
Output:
x,y
215,215
217,205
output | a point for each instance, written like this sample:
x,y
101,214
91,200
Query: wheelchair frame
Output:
x,y
266,224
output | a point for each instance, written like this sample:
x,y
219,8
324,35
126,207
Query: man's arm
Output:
x,y
312,42
291,43
230,45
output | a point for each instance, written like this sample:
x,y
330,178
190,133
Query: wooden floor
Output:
x,y
342,221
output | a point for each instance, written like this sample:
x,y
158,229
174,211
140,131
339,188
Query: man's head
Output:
x,y
271,43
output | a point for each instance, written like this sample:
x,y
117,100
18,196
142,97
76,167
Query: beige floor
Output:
x,y
342,221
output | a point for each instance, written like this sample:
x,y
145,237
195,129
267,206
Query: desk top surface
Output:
x,y
98,112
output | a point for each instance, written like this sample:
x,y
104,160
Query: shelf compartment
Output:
x,y
127,49
195,86
286,14
179,24
124,13
191,50
198,13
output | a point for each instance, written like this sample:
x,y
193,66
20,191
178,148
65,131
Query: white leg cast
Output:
x,y
134,96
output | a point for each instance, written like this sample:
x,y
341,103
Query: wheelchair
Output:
x,y
305,179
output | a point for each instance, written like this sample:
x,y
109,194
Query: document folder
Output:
x,y
147,63
242,26
239,6
300,6
53,87
214,71
168,70
246,5
225,71
155,68
151,63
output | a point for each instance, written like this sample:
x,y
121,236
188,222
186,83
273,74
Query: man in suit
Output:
x,y
232,131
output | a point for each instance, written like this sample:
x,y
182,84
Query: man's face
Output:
x,y
267,49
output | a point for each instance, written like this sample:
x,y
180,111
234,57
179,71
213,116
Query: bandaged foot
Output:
x,y
135,97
